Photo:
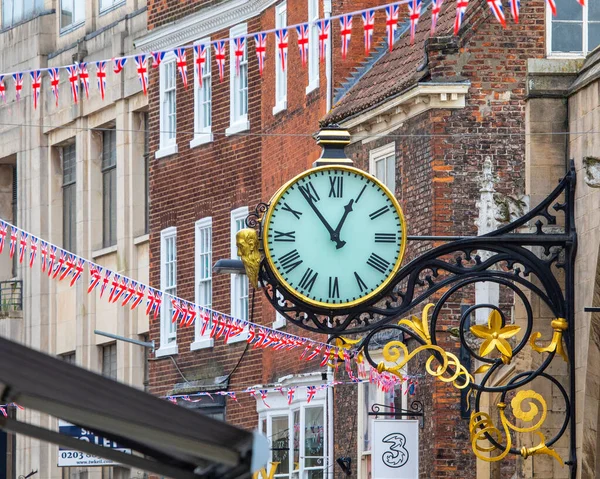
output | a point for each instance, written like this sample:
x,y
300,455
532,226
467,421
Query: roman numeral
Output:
x,y
379,212
377,262
286,207
309,192
289,261
336,186
360,194
308,280
361,284
385,237
286,237
334,288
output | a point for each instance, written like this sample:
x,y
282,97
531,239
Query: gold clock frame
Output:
x,y
319,304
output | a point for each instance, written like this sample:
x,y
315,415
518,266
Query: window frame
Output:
x,y
201,342
239,282
109,171
313,46
585,40
103,350
74,25
167,144
280,76
36,7
168,340
71,187
114,5
203,133
237,123
379,154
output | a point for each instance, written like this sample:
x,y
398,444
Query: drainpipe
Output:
x,y
328,57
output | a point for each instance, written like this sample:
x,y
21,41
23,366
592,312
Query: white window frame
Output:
x,y
585,46
168,145
238,280
202,133
280,76
379,154
71,26
201,342
114,4
168,346
237,123
313,46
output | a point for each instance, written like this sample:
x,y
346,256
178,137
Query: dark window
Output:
x,y
109,188
68,357
109,361
69,210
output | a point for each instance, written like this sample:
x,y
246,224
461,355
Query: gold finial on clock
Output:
x,y
333,139
247,244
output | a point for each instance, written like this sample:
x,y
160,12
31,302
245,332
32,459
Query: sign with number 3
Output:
x,y
395,452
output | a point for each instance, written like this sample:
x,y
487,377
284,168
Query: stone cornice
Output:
x,y
201,24
393,113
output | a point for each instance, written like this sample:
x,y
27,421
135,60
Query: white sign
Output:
x,y
69,457
395,452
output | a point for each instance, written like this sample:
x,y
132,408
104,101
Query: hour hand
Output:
x,y
332,234
347,209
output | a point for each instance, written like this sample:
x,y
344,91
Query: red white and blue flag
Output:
x,y
391,23
23,246
69,264
346,33
514,9
95,277
3,233
260,43
101,77
142,71
263,395
139,296
105,281
461,8
302,31
290,394
498,11
33,247
552,5
157,58
78,272
414,10
119,64
310,393
54,81
324,27
36,84
239,52
220,57
282,46
18,78
74,80
115,288
51,259
2,88
43,254
368,18
157,302
84,76
60,263
436,7
199,61
182,65
13,241
126,290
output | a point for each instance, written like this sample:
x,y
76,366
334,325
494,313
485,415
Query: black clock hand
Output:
x,y
347,209
332,234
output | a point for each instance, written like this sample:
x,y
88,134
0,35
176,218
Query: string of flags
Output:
x,y
4,406
79,75
115,288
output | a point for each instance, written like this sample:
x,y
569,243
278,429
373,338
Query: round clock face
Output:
x,y
334,236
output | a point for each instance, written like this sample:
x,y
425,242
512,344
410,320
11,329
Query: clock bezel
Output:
x,y
289,288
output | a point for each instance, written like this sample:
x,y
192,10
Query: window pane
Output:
x,y
569,10
380,170
567,37
7,8
296,443
280,444
593,10
313,436
390,174
66,13
593,35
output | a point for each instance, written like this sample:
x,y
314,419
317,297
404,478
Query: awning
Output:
x,y
174,442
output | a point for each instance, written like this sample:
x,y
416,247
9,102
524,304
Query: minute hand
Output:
x,y
332,234
347,209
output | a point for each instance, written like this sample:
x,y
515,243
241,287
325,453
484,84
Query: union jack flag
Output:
x,y
139,296
514,9
205,317
414,10
552,5
323,26
74,80
51,258
130,293
44,254
69,264
23,246
3,233
33,247
105,280
101,77
157,302
95,277
436,6
290,394
282,46
3,411
302,32
36,84
310,393
115,288
157,57
220,57
345,32
391,23
2,88
125,290
498,11
232,395
239,52
140,62
18,78
314,354
60,263
84,76
199,61
368,19
263,395
191,316
78,271
119,64
461,8
260,42
177,310
182,65
54,81
252,392
13,241
326,356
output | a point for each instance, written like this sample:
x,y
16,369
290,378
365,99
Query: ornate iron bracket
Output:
x,y
416,410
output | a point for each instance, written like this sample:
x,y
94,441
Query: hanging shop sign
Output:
x,y
70,457
395,449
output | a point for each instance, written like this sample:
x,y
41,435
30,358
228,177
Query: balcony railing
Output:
x,y
11,295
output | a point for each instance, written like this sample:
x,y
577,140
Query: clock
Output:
x,y
334,237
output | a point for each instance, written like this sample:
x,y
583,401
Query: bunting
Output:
x,y
239,52
260,45
220,57
36,84
323,26
84,77
414,10
391,23
302,32
33,247
368,18
54,83
142,71
182,65
119,64
2,88
44,254
101,77
22,246
461,8
345,33
74,81
282,46
552,5
18,78
157,58
199,61
3,233
13,241
436,7
498,11
514,9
